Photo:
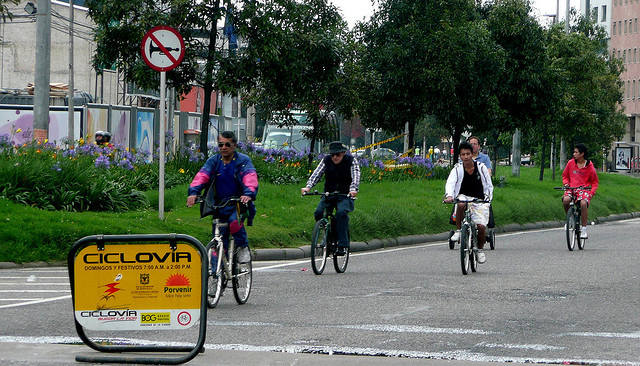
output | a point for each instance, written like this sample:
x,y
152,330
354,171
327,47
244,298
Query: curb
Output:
x,y
276,254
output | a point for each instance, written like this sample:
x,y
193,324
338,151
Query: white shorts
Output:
x,y
479,211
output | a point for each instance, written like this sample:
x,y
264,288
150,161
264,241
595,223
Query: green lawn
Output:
x,y
285,219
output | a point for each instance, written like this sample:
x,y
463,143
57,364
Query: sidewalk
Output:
x,y
358,246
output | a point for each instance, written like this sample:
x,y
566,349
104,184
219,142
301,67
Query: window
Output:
x,y
625,26
634,54
595,13
620,27
635,25
624,56
614,28
604,13
633,96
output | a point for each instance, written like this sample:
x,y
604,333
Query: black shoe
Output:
x,y
341,251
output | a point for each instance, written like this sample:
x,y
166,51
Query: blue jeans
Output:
x,y
229,214
343,205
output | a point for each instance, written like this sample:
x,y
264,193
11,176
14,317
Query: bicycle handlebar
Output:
x,y
568,188
475,200
224,203
328,194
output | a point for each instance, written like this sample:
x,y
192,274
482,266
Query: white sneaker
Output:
x,y
244,256
455,236
583,233
480,257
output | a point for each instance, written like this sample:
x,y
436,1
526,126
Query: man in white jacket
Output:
x,y
470,179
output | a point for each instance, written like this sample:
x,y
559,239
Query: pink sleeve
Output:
x,y
250,180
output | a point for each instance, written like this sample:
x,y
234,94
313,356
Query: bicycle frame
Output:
x,y
324,238
574,219
217,239
468,227
226,269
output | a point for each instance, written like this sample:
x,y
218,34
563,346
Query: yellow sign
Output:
x,y
136,286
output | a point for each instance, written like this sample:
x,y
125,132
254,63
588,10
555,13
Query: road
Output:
x,y
533,301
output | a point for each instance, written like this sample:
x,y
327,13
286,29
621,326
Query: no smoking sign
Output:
x,y
162,48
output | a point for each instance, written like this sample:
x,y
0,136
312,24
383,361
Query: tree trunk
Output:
x,y
515,153
544,149
208,86
314,136
412,138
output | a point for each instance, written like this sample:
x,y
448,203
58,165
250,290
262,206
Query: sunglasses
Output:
x,y
337,154
227,144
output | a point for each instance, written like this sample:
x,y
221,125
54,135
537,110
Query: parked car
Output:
x,y
525,159
383,153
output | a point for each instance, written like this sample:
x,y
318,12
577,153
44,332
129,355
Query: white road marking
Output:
x,y
37,278
34,284
459,355
633,335
19,291
35,302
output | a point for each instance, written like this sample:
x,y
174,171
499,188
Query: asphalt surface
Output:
x,y
25,352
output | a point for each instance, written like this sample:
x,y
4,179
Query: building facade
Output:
x,y
18,52
625,45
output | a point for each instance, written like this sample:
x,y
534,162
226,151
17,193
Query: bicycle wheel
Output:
x,y
319,247
452,244
242,276
215,279
473,263
571,229
340,261
465,248
581,242
491,238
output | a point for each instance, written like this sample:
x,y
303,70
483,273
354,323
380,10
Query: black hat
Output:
x,y
336,147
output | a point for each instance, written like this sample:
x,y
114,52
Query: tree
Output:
x,y
297,49
4,9
524,90
589,85
428,58
289,56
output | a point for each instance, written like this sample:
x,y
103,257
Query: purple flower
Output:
x,y
125,164
102,161
56,167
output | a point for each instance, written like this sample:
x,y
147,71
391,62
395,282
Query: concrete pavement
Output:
x,y
65,354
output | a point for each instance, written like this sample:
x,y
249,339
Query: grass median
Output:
x,y
285,219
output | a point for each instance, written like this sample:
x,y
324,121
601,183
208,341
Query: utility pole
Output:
x,y
563,145
43,71
71,88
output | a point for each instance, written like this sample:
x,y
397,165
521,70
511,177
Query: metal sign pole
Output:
x,y
161,154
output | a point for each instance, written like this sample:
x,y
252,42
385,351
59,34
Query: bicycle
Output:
x,y
468,237
574,218
226,268
324,241
491,234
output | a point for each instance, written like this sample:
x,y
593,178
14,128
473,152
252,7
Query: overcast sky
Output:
x,y
354,10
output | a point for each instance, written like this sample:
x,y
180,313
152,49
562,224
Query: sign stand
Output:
x,y
139,282
162,49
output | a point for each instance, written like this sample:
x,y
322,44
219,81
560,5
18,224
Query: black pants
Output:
x,y
343,205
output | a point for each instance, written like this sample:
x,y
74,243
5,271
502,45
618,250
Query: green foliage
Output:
x,y
85,177
384,209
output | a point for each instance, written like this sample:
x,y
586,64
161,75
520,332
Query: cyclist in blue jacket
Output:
x,y
229,174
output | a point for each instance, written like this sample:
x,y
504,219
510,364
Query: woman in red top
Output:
x,y
580,172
